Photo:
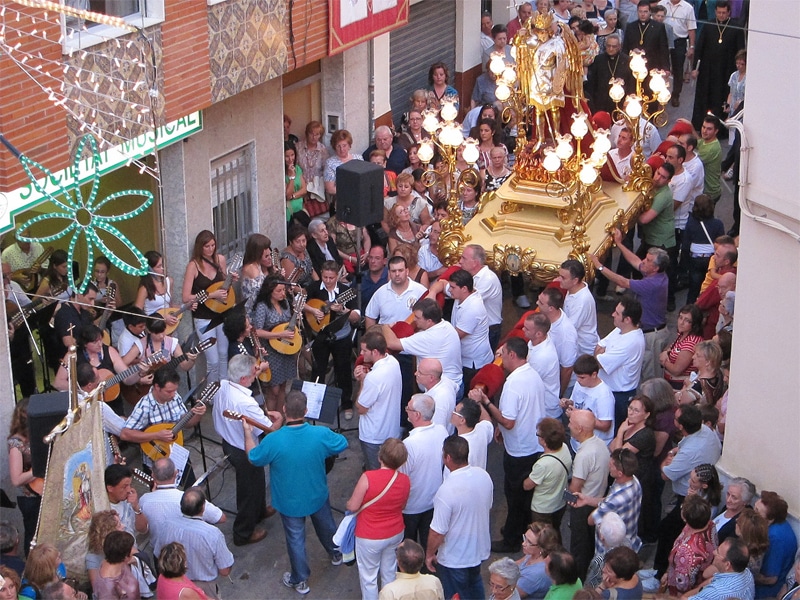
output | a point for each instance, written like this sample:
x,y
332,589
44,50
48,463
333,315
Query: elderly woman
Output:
x,y
693,551
550,474
413,133
417,102
619,575
503,577
341,142
782,545
540,539
379,498
738,496
613,534
709,385
677,359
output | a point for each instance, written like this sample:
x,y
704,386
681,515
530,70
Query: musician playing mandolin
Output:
x,y
93,351
206,268
335,337
22,255
155,288
162,404
273,309
156,340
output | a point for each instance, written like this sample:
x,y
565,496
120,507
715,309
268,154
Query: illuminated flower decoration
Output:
x,y
87,220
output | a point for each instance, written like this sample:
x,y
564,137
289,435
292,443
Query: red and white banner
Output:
x,y
356,21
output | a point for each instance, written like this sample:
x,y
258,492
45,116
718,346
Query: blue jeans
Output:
x,y
466,582
294,528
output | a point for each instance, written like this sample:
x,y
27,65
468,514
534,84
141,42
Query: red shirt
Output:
x,y
383,519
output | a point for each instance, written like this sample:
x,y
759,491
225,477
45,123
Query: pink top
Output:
x,y
124,586
687,343
170,589
383,519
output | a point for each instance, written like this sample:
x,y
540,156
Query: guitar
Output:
x,y
38,304
217,305
290,345
325,307
198,349
111,294
36,485
159,449
112,381
202,296
28,279
235,416
265,376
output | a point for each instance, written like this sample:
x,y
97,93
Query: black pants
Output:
x,y
581,538
678,57
251,492
22,362
29,507
409,387
418,526
518,500
323,349
668,531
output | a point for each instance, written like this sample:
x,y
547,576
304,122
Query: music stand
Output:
x,y
329,411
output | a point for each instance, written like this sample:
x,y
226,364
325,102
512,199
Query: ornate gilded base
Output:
x,y
523,228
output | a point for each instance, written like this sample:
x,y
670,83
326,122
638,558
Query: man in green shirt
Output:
x,y
710,153
658,224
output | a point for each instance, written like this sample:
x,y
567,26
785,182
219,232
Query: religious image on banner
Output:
x,y
355,21
74,489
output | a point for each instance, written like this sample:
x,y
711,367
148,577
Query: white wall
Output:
x,y
762,441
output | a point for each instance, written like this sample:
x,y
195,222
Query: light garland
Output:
x,y
82,220
86,15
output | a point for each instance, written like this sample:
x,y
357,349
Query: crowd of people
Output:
x,y
591,428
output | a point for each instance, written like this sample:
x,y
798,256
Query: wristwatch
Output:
x,y
600,268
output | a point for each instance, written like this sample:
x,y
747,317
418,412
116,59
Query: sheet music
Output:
x,y
315,392
180,456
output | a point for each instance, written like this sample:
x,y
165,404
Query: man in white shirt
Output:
x,y
683,190
591,393
485,281
423,466
680,16
521,408
435,338
378,402
693,163
543,357
164,502
621,354
651,138
622,154
579,305
443,391
460,534
235,395
472,325
562,332
392,301
474,424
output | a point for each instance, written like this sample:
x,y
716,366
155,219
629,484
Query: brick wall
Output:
x,y
309,21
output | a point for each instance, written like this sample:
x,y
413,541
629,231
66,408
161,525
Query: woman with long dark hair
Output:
x,y
206,268
21,472
155,288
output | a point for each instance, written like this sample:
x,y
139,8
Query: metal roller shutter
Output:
x,y
430,36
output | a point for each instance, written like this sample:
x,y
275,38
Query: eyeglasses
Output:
x,y
411,410
527,542
458,414
538,434
498,587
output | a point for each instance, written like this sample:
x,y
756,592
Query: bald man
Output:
x,y
589,476
396,157
442,389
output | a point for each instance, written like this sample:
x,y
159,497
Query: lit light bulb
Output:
x,y
509,75
580,125
497,65
425,152
633,107
664,96
502,92
471,152
551,162
429,121
617,91
638,64
657,82
449,111
564,148
588,174
601,142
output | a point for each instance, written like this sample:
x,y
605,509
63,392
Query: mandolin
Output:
x,y
159,449
265,376
325,307
178,312
290,345
198,349
18,317
28,279
112,381
217,305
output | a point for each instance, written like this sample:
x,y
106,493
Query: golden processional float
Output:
x,y
554,206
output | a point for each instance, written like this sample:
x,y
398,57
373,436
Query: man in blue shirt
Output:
x,y
296,456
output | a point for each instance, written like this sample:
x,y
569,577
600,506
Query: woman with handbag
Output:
x,y
378,501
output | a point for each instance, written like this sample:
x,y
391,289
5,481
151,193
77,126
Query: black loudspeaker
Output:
x,y
359,193
45,411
